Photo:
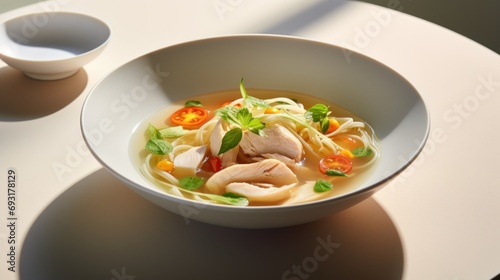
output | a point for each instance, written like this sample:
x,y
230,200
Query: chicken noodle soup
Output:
x,y
255,147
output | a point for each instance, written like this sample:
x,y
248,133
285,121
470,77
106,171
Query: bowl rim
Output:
x,y
260,208
105,27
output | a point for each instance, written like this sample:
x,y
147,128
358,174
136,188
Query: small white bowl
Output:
x,y
130,94
52,45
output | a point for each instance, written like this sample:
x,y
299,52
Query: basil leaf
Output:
x,y
153,132
317,112
334,172
244,116
228,114
158,146
248,121
191,182
362,152
172,132
230,140
256,126
322,186
193,103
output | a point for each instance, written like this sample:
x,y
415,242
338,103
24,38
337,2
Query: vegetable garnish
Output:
x,y
156,144
215,163
319,113
250,100
334,172
230,140
165,165
333,124
192,103
335,162
172,132
272,110
190,117
362,152
230,200
322,186
232,195
191,182
242,119
236,201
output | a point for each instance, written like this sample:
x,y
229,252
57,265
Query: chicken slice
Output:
x,y
278,141
267,171
260,194
228,158
188,162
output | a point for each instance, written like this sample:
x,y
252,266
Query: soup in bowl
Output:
x,y
254,131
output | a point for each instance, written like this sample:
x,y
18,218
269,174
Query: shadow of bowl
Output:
x,y
23,98
99,229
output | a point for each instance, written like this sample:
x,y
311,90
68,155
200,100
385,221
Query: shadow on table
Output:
x,y
23,98
304,17
99,229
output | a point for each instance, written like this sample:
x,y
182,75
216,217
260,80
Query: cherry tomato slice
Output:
x,y
225,104
215,163
190,117
337,162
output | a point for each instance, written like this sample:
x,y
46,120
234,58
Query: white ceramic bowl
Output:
x,y
131,93
52,45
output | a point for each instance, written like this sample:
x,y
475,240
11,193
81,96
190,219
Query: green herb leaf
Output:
x,y
193,103
317,112
362,152
250,100
158,146
243,91
246,120
232,195
334,172
191,182
322,186
236,200
256,126
325,124
231,139
256,102
172,132
153,132
242,119
228,114
244,116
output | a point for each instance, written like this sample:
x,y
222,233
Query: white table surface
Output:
x,y
437,220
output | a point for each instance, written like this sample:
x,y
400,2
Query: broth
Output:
x,y
307,171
